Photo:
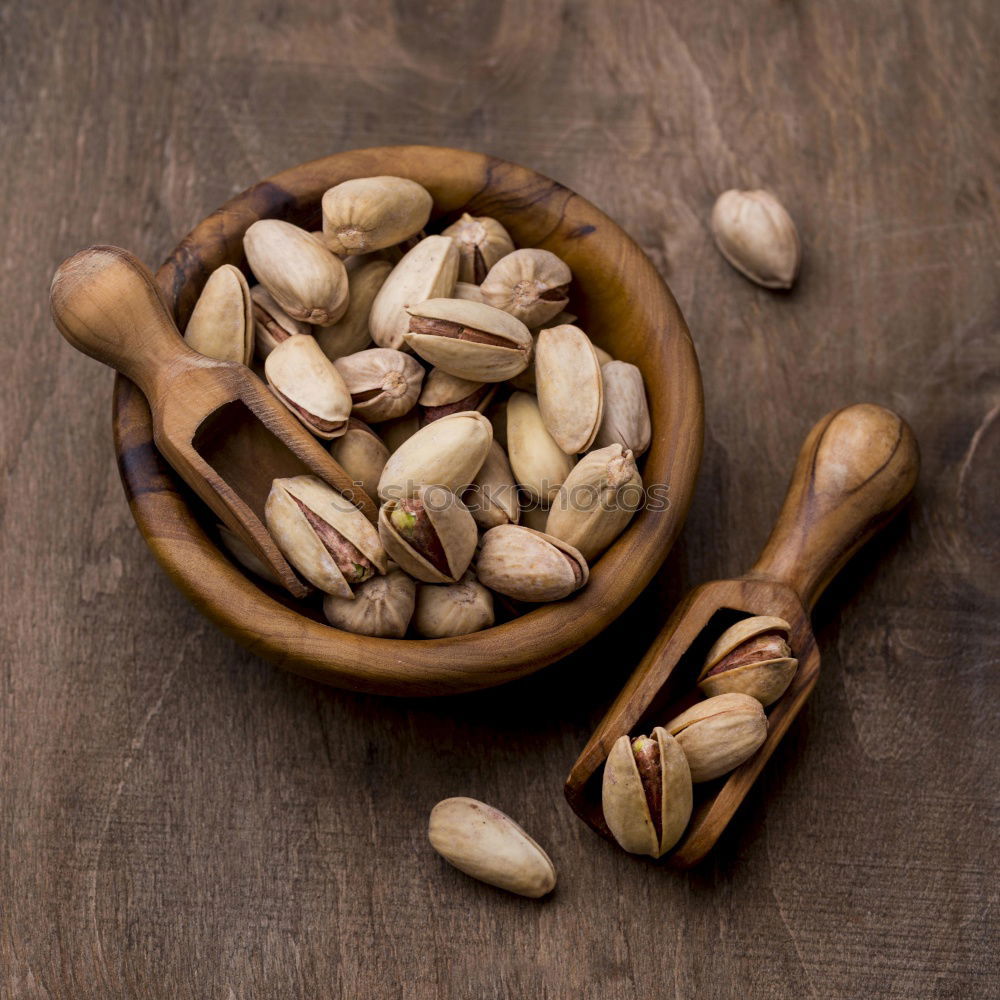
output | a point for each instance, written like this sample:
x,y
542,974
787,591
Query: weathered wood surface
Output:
x,y
179,819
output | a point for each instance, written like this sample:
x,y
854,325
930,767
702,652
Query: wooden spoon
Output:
x,y
854,471
215,422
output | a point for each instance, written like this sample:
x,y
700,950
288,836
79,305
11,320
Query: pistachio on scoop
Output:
x,y
752,657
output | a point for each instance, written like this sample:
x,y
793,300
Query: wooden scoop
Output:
x,y
215,422
854,471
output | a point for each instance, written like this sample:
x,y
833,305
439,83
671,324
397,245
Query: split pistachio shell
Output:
x,y
646,793
246,556
322,534
488,845
306,280
529,565
443,394
383,383
482,241
469,339
719,734
271,324
305,380
453,609
626,413
350,333
752,657
464,290
492,498
361,453
370,213
757,236
531,284
395,432
447,452
539,464
427,271
570,387
597,501
382,606
221,325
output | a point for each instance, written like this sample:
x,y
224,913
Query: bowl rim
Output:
x,y
230,598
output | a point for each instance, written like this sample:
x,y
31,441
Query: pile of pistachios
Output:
x,y
499,442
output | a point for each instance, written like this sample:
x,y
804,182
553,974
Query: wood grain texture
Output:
x,y
180,820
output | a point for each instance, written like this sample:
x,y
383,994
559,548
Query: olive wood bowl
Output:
x,y
622,303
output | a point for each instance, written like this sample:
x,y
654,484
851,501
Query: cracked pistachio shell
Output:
x,y
757,236
448,519
719,733
469,339
371,213
539,464
597,501
570,387
752,657
482,241
382,606
529,565
350,333
492,498
447,452
383,383
628,810
443,394
271,324
531,284
362,454
427,271
626,413
246,556
488,845
453,609
343,540
305,380
304,278
221,325
467,291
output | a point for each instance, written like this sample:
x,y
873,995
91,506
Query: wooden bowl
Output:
x,y
622,303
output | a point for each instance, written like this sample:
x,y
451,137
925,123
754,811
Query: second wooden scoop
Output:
x,y
855,470
215,422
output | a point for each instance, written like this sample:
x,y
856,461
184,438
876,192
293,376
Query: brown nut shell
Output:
x,y
362,454
482,241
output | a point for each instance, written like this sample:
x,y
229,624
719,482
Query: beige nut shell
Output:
x,y
539,464
569,386
755,233
452,609
381,606
350,333
362,454
395,378
529,565
626,413
221,325
765,679
517,282
370,213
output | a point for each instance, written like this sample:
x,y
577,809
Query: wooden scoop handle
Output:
x,y
854,471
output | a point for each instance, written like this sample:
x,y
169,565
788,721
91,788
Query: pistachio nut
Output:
x,y
431,534
467,291
597,500
426,272
369,213
361,453
395,432
539,464
757,236
482,241
444,394
271,324
534,516
646,793
570,387
469,339
488,845
752,657
452,609
221,325
304,278
447,452
719,734
626,413
529,565
246,556
350,333
531,284
305,380
322,534
492,498
383,383
382,606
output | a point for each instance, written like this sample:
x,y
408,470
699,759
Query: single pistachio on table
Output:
x,y
323,535
452,609
350,333
719,734
305,380
488,845
430,534
428,271
755,233
271,324
482,241
362,454
383,383
382,606
646,793
469,339
752,657
444,394
467,291
246,556
370,213
531,284
395,432
493,496
221,325
304,278
539,464
529,565
570,387
626,413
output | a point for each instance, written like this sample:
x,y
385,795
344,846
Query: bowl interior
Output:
x,y
622,303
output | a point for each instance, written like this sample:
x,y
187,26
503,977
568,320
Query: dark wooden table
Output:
x,y
180,820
